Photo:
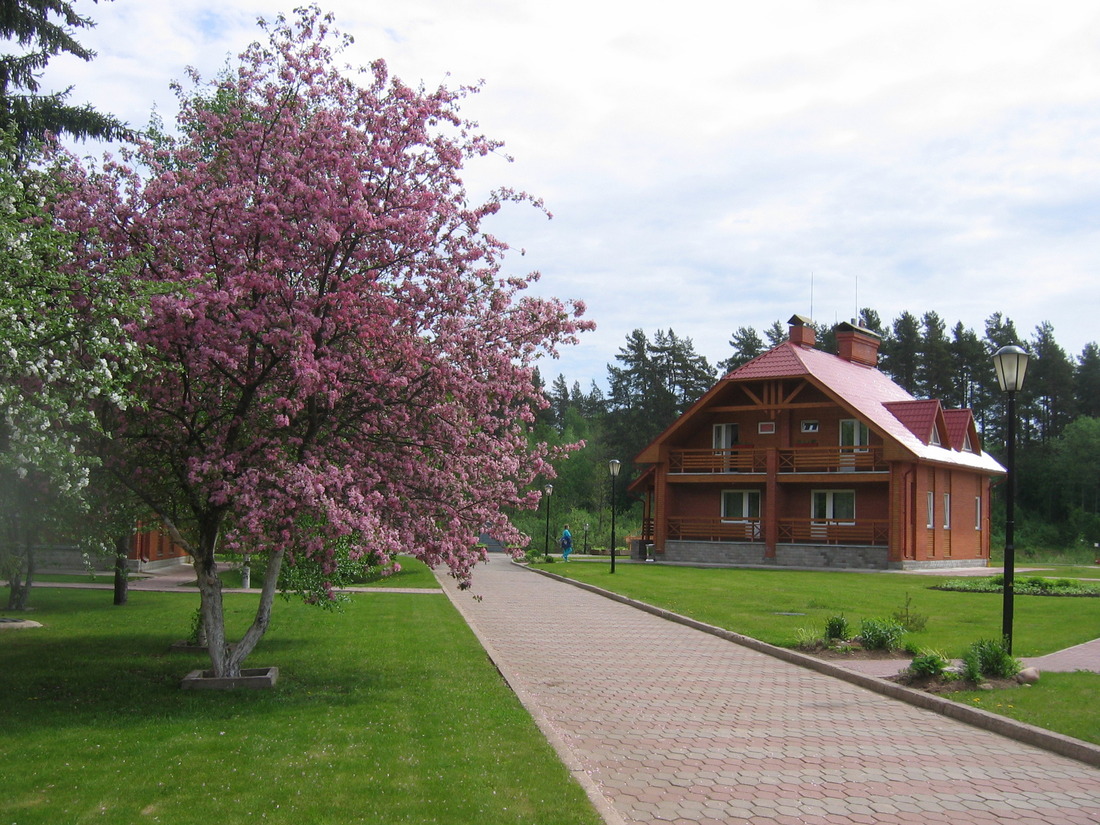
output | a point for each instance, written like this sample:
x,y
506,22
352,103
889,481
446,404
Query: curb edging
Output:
x,y
1020,731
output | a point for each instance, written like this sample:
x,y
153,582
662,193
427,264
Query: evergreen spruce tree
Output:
x,y
39,30
1086,381
900,351
746,344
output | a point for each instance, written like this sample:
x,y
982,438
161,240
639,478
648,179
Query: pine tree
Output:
x,y
746,344
935,369
1086,381
1048,388
43,29
776,334
900,351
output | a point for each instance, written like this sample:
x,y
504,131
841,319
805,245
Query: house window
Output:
x,y
738,505
809,426
935,438
725,436
766,428
854,434
967,446
946,511
977,512
833,505
931,521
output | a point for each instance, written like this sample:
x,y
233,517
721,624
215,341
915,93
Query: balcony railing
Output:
x,y
733,460
828,531
790,460
791,531
715,529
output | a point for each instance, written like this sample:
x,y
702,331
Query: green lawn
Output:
x,y
413,573
775,605
1064,571
386,711
1063,702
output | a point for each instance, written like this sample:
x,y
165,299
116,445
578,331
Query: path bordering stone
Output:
x,y
1028,734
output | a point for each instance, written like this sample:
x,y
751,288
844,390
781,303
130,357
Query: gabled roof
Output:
x,y
960,428
920,416
865,391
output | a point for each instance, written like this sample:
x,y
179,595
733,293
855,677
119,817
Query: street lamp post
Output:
x,y
586,538
1011,365
613,467
549,490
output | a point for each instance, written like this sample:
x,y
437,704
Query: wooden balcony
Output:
x,y
752,460
791,531
733,460
715,529
827,531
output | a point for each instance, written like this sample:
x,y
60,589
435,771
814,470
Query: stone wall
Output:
x,y
786,555
819,556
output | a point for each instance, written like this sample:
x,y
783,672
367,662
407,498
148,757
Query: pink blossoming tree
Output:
x,y
336,357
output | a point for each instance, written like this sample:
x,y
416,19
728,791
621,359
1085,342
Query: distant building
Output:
x,y
804,458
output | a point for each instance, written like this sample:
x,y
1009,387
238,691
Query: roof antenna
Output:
x,y
811,294
859,320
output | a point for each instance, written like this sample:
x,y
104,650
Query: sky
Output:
x,y
713,164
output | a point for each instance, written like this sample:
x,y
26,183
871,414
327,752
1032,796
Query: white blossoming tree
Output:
x,y
60,346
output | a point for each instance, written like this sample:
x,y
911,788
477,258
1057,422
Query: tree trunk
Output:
x,y
225,663
263,611
213,615
23,579
122,573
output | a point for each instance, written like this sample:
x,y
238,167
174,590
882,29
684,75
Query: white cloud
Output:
x,y
705,161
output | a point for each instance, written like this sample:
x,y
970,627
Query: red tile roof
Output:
x,y
869,394
959,425
919,416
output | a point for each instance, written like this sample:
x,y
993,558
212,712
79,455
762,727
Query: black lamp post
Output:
x,y
613,467
586,538
1011,365
549,490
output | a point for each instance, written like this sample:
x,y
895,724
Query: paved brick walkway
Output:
x,y
664,723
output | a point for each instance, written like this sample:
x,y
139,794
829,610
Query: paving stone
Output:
x,y
667,723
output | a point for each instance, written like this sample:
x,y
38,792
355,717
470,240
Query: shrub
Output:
x,y
909,619
971,666
880,634
836,629
930,663
989,659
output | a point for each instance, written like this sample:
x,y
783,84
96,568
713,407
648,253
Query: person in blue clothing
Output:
x,y
566,543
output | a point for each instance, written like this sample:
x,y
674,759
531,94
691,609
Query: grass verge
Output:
x,y
1062,702
386,711
413,573
775,605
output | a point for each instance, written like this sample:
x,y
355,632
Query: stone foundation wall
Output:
x,y
940,564
822,556
786,555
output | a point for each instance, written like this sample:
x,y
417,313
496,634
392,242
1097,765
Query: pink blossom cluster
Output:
x,y
334,339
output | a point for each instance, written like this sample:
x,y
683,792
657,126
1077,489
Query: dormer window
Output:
x,y
967,446
934,440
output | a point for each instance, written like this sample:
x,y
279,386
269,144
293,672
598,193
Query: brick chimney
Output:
x,y
801,331
856,344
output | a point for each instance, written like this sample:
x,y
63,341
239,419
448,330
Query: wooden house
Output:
x,y
803,458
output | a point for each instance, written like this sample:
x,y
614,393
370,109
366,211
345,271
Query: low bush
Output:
x,y
880,634
912,621
837,630
989,659
929,664
1032,586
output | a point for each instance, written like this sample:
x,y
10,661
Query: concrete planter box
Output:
x,y
251,678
